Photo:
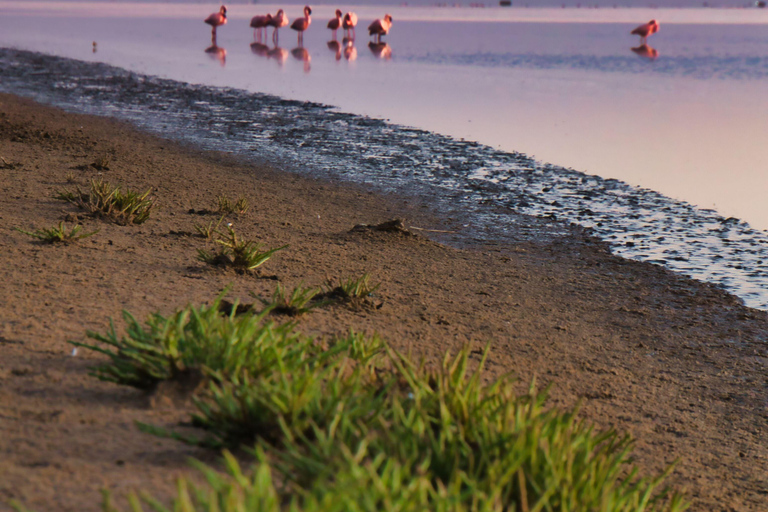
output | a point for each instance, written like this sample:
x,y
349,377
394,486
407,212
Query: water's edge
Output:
x,y
489,187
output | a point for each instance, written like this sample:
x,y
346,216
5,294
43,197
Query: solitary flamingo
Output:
x,y
258,23
279,20
349,23
335,23
302,24
217,19
646,30
380,27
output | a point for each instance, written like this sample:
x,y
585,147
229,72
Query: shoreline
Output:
x,y
678,364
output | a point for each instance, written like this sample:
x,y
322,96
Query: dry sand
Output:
x,y
678,364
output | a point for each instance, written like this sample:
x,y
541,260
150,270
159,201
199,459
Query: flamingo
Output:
x,y
380,27
279,20
646,30
217,19
258,23
335,23
302,24
349,23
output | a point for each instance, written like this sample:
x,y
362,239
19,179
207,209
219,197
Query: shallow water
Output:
x,y
688,123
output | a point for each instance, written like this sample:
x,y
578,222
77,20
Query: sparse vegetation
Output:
x,y
300,301
243,255
239,206
101,163
58,234
342,433
106,200
197,339
208,230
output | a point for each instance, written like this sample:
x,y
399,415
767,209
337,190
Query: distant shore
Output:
x,y
678,364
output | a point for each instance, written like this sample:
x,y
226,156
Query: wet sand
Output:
x,y
678,364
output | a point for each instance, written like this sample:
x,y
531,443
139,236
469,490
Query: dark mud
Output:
x,y
483,193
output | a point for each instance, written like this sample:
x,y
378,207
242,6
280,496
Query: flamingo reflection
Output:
x,y
381,50
217,53
646,51
260,49
278,54
301,53
350,52
335,47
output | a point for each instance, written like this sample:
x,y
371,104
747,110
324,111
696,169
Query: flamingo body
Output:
x,y
279,20
349,22
302,24
335,23
380,27
217,19
258,22
646,29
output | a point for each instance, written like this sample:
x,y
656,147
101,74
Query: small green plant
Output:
x,y
208,230
351,290
301,300
243,255
198,339
239,207
59,234
106,200
101,163
70,178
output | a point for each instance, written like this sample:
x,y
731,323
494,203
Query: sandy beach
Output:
x,y
678,364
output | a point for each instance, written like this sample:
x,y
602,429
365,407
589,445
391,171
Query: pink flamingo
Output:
x,y
335,23
217,19
279,20
646,30
258,23
302,24
380,27
349,23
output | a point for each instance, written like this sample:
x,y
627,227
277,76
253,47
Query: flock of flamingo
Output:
x,y
348,22
261,23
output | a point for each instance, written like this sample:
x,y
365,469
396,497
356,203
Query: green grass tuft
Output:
x,y
296,303
193,339
58,234
355,425
208,230
352,288
123,207
239,206
244,255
